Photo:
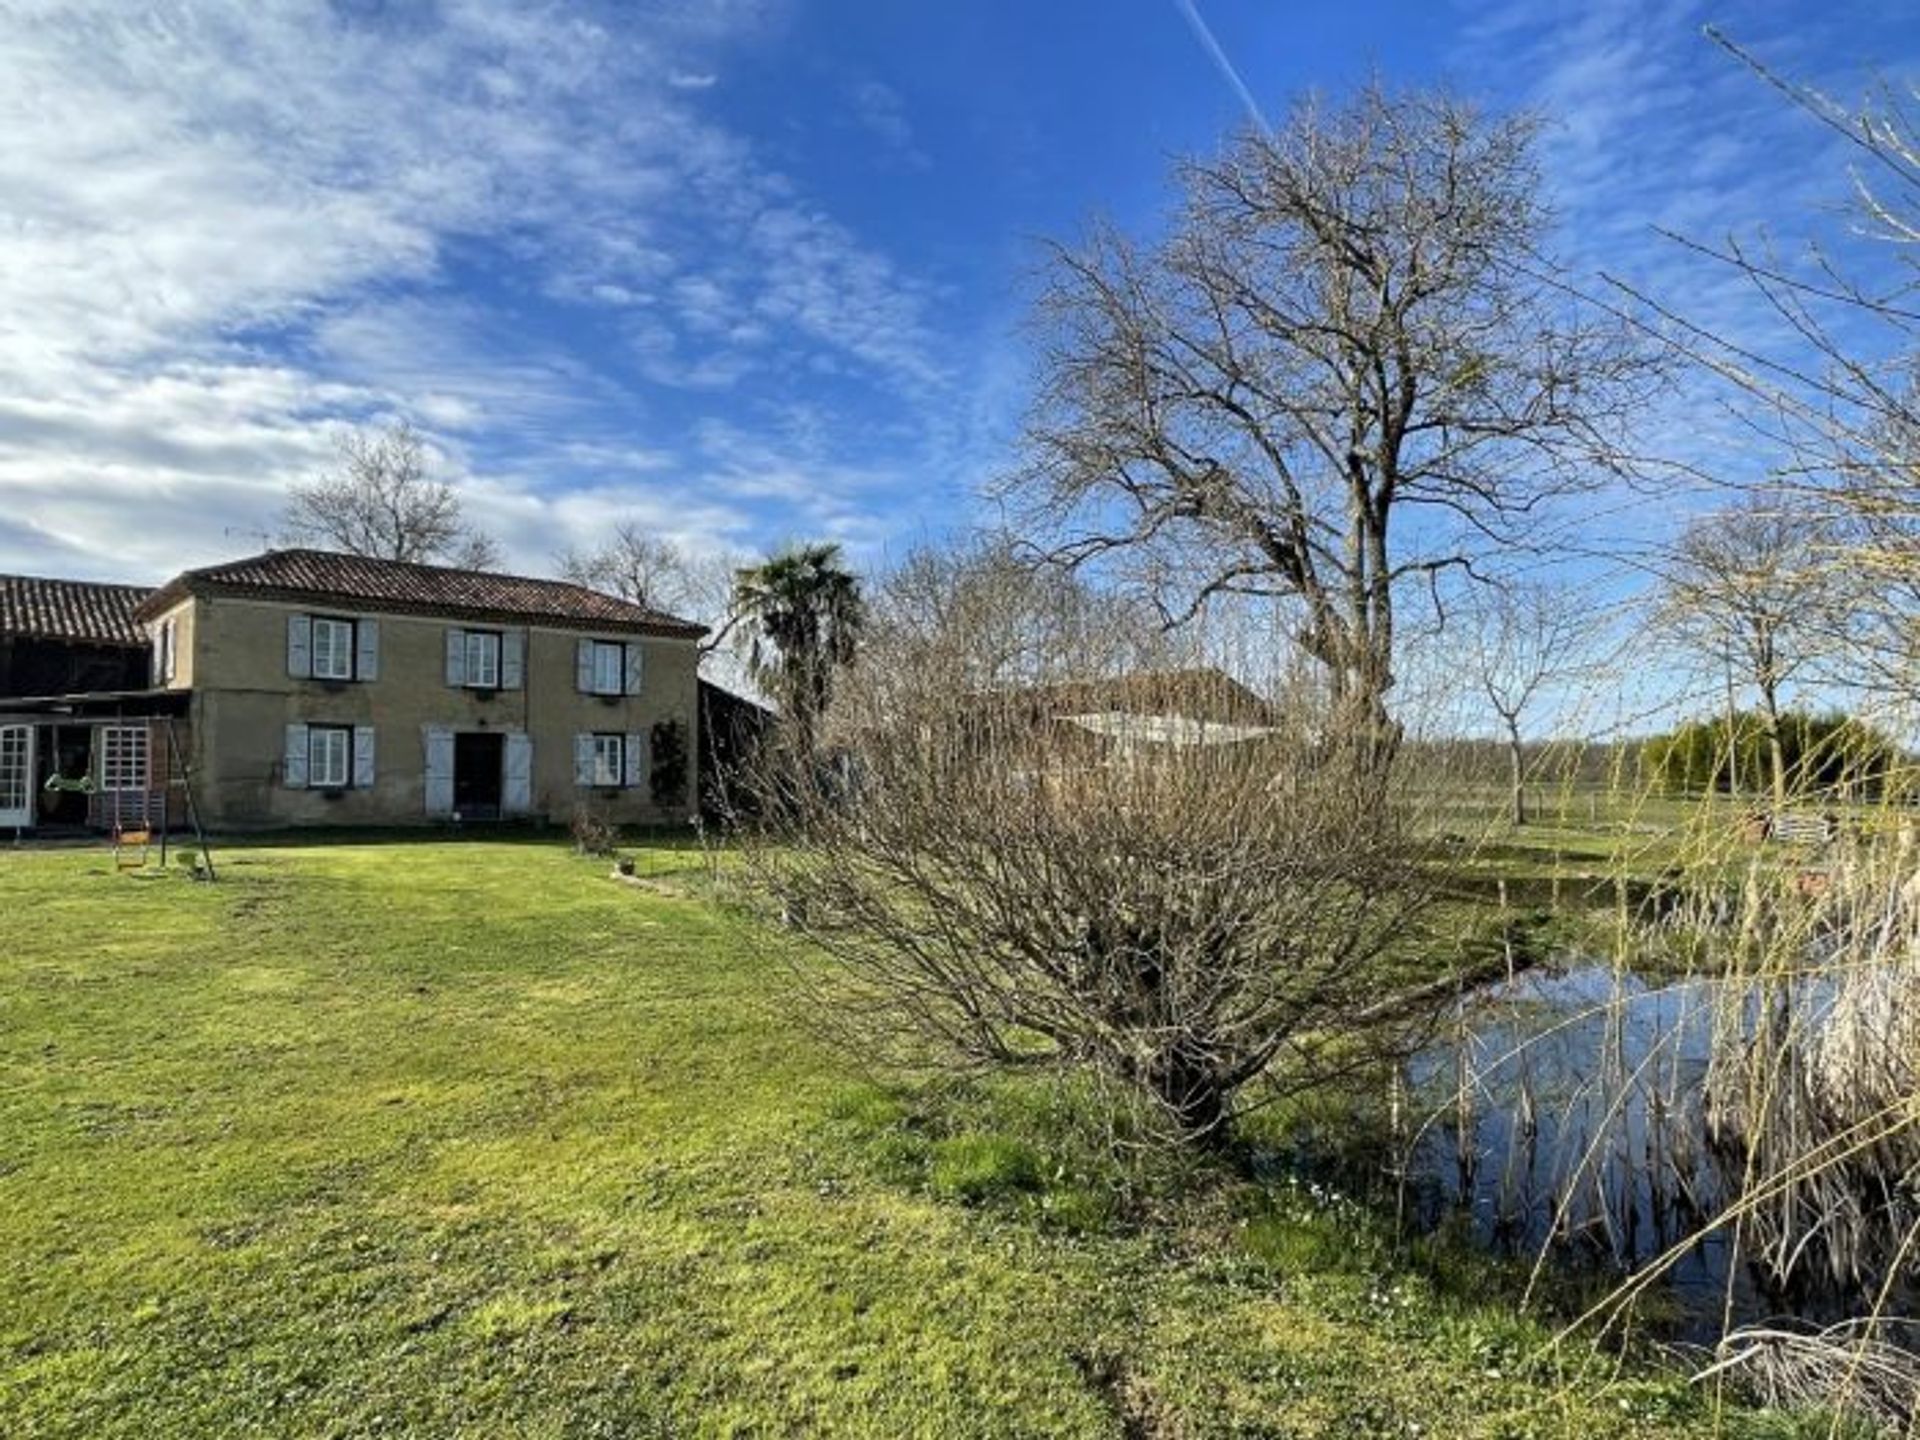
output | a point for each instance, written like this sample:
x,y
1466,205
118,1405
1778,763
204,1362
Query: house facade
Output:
x,y
306,688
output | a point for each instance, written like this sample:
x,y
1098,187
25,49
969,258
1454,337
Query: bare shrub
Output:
x,y
592,833
1157,879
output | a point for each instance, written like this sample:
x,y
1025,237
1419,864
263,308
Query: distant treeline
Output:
x,y
1558,762
1830,754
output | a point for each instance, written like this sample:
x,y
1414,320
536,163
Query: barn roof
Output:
x,y
81,611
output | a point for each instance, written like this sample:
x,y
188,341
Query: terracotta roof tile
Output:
x,y
324,576
71,610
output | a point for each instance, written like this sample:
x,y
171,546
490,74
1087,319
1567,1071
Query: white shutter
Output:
x,y
439,773
517,795
300,646
366,655
636,658
293,765
456,657
513,659
583,760
583,667
635,754
160,656
363,757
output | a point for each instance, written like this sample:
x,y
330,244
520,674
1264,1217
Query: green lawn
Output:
x,y
466,1139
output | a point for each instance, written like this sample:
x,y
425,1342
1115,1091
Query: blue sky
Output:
x,y
743,270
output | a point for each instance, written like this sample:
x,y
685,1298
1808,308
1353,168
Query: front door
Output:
x,y
478,766
16,776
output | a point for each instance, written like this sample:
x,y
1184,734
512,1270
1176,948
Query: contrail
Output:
x,y
1212,47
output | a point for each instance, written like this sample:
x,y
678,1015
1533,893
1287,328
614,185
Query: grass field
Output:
x,y
465,1139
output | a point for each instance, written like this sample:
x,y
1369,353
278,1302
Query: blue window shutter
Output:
x,y
293,765
300,646
456,657
513,659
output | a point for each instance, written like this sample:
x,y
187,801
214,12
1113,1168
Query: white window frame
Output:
x,y
123,758
609,760
325,745
609,667
336,649
483,659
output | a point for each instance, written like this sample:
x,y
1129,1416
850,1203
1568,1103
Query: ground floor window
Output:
x,y
329,756
123,757
609,759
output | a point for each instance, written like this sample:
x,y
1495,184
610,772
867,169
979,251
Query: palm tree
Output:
x,y
805,615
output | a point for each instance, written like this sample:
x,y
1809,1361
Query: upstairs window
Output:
x,y
609,669
164,640
332,649
483,659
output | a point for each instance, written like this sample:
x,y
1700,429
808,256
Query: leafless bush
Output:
x,y
592,833
1158,879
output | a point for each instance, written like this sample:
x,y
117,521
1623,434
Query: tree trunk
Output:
x,y
1517,770
1776,745
1188,1084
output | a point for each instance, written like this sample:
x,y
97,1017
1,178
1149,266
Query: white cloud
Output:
x,y
881,110
227,229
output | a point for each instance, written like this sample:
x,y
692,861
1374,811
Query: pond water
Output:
x,y
1563,1116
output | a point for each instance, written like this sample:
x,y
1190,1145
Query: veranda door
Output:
x,y
16,776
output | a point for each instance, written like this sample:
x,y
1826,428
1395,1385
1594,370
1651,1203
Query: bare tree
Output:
x,y
649,570
1117,889
1525,637
1350,324
383,502
1024,624
1750,587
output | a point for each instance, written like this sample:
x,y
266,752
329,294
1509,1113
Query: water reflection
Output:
x,y
1565,1115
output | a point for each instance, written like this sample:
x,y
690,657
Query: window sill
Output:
x,y
482,692
331,792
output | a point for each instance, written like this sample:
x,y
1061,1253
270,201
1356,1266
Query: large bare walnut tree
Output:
x,y
1097,876
1347,367
383,501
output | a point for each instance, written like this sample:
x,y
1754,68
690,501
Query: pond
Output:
x,y
1564,1116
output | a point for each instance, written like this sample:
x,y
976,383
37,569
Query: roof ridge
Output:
x,y
72,580
418,586
407,564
